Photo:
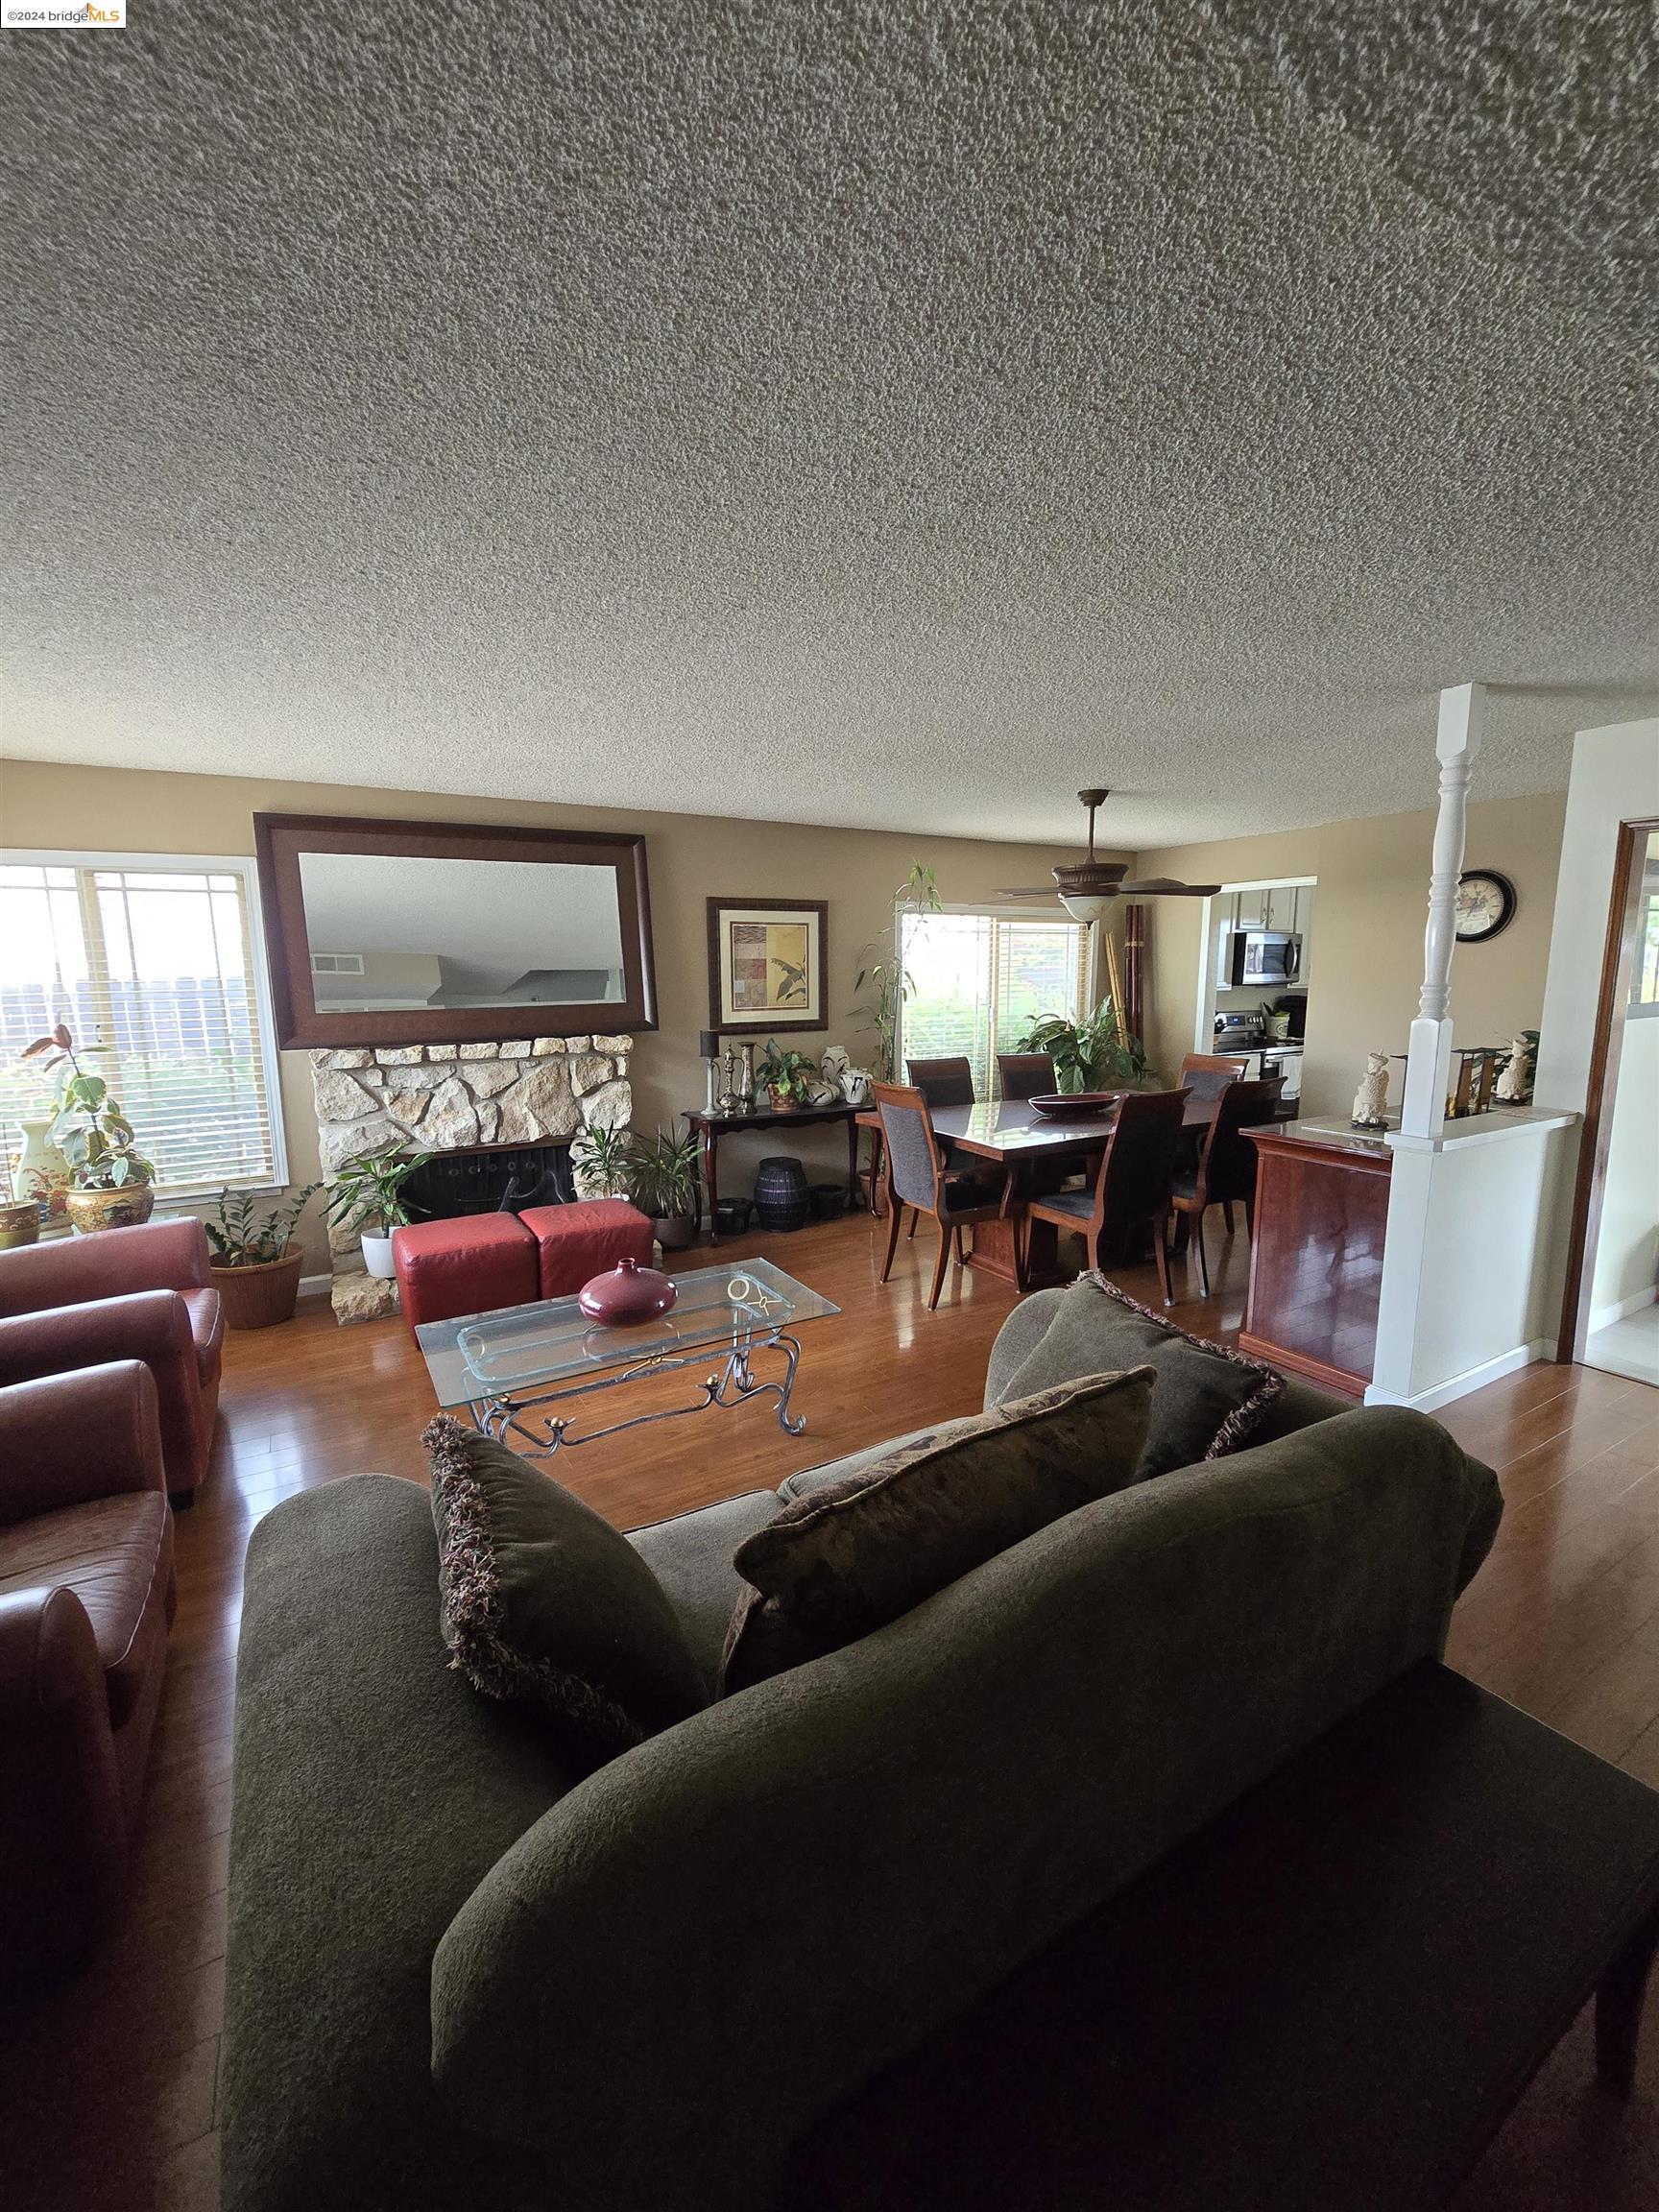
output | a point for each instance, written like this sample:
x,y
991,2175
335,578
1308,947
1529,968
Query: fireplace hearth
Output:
x,y
498,1119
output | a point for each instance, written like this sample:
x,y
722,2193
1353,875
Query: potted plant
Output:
x,y
256,1263
602,1160
664,1179
370,1190
1093,1054
113,1179
885,972
788,1075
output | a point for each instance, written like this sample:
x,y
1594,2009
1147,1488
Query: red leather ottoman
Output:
x,y
578,1242
473,1265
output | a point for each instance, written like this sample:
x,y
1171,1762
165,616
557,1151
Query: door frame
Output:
x,y
1618,956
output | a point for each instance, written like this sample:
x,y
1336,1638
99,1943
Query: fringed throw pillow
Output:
x,y
544,1602
852,1555
1209,1399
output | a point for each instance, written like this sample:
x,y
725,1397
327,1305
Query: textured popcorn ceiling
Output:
x,y
833,412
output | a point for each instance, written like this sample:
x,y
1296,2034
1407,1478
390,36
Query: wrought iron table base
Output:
x,y
733,1384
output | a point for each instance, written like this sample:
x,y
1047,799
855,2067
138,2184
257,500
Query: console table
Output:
x,y
711,1127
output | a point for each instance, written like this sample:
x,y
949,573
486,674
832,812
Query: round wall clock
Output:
x,y
1485,905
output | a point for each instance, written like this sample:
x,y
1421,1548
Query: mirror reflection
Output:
x,y
389,934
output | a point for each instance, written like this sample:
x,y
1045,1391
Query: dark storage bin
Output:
x,y
735,1216
781,1200
828,1201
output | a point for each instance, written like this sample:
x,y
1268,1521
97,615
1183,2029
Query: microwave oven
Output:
x,y
1263,956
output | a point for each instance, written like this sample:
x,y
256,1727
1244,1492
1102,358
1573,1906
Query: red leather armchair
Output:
x,y
87,1598
139,1294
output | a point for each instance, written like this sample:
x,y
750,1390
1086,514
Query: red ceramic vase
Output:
x,y
627,1292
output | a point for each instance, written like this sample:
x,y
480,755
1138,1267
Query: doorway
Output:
x,y
1254,975
1610,1318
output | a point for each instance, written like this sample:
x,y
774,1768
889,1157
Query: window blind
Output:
x,y
978,981
151,968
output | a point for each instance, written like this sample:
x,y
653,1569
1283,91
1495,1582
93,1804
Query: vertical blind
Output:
x,y
978,981
152,969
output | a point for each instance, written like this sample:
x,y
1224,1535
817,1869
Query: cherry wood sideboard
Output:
x,y
1316,1252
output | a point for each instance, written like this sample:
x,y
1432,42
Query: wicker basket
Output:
x,y
259,1297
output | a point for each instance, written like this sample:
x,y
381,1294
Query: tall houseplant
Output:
x,y
1093,1054
881,967
256,1263
113,1179
662,1181
370,1190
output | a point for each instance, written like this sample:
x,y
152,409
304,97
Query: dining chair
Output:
x,y
918,1178
943,1082
1133,1186
1226,1163
1207,1075
1025,1075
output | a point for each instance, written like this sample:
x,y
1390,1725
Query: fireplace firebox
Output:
x,y
489,1179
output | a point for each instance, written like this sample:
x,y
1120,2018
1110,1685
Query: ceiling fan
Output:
x,y
1087,887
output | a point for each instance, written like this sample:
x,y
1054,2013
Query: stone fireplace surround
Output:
x,y
455,1098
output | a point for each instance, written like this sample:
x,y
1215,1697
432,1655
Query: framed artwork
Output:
x,y
768,965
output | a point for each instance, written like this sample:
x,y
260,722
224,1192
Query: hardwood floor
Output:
x,y
107,2086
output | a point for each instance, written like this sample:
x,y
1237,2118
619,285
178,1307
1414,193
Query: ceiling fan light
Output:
x,y
1083,905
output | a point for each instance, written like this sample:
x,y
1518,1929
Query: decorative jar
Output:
x,y
627,1293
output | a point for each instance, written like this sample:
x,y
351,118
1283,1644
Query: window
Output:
x,y
978,981
152,965
1644,978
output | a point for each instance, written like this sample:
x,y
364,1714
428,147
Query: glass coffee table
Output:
x,y
503,1368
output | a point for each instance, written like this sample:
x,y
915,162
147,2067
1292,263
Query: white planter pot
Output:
x,y
377,1256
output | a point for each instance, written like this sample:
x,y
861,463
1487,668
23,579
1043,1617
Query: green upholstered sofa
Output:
x,y
458,1976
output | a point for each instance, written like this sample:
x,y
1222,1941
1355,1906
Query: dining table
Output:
x,y
1039,1150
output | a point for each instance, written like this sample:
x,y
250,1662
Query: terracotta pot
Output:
x,y
90,1211
20,1223
628,1292
259,1297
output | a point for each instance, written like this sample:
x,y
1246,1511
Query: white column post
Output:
x,y
1428,1064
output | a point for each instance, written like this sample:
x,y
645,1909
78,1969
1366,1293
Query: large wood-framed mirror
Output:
x,y
452,932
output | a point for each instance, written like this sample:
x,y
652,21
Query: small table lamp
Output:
x,y
709,1044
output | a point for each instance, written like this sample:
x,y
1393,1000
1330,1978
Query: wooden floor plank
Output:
x,y
101,2117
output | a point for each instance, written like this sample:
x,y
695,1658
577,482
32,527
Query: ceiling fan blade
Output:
x,y
1167,887
1046,891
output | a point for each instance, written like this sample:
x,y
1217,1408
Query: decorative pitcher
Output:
x,y
40,1169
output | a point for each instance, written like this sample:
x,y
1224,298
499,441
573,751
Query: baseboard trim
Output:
x,y
1473,1378
316,1285
1604,1316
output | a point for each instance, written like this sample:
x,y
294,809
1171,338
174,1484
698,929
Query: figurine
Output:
x,y
1371,1099
1515,1082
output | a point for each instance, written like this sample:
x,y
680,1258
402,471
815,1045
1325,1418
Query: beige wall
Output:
x,y
1367,951
690,857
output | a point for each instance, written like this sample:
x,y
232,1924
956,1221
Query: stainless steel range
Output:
x,y
1238,1033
